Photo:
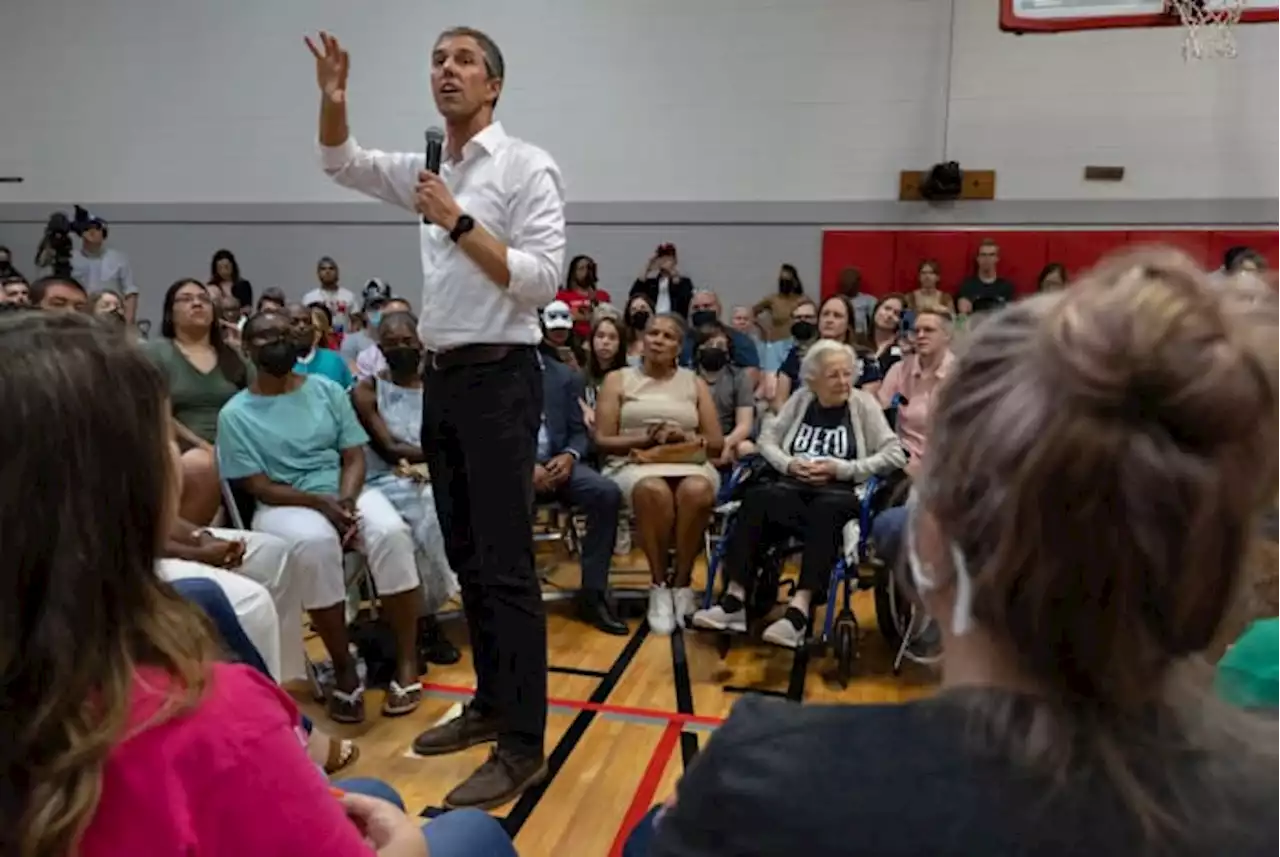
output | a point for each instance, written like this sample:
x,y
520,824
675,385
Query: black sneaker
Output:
x,y
433,646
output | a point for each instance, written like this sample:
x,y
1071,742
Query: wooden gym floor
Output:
x,y
626,716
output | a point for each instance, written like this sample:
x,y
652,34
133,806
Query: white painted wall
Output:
x,y
715,100
191,100
1038,108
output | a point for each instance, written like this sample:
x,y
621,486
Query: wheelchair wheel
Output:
x,y
846,649
889,605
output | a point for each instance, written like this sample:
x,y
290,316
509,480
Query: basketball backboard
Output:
x,y
1051,16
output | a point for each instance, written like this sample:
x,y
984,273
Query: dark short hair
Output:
x,y
260,318
706,332
42,285
494,65
394,320
272,294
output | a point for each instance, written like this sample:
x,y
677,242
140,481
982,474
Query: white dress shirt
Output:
x,y
511,188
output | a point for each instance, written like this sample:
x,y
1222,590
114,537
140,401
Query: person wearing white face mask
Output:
x,y
1107,450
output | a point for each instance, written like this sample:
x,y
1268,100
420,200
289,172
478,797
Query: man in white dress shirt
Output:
x,y
492,253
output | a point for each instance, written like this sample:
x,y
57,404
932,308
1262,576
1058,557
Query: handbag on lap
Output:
x,y
685,452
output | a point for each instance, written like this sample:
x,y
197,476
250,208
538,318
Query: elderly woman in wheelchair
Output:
x,y
827,441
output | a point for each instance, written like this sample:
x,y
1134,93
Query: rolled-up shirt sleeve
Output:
x,y
388,176
535,256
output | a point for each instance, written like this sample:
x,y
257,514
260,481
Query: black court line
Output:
x,y
758,691
578,671
527,802
799,670
684,695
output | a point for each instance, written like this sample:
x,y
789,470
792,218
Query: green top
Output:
x,y
1249,673
196,396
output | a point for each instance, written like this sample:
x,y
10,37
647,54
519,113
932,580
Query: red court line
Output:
x,y
672,717
648,787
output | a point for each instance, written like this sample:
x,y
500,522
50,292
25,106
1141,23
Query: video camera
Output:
x,y
55,247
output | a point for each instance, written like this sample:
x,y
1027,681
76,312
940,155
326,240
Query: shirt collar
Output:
x,y
489,141
944,367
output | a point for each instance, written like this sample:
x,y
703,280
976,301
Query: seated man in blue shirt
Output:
x,y
561,475
705,309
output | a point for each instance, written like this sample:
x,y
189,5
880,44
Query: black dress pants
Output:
x,y
479,435
773,511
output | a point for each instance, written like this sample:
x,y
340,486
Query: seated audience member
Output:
x,y
657,427
59,294
986,287
833,324
314,357
7,271
829,438
606,351
916,378
581,294
390,409
231,317
666,289
371,362
364,324
1062,540
780,304
561,475
639,312
272,300
203,373
1053,277
705,309
15,290
294,443
927,292
158,747
1248,641
107,305
224,272
1238,260
849,285
731,391
886,333
558,341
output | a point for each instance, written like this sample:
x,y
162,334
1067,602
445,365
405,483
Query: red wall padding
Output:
x,y
888,258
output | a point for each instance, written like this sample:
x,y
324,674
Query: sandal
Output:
x,y
402,700
345,707
342,753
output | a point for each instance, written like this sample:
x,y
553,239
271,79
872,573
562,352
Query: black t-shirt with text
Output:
x,y
825,432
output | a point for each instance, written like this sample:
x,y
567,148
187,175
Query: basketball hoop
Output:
x,y
1209,26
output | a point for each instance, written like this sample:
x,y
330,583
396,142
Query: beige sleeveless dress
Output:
x,y
645,399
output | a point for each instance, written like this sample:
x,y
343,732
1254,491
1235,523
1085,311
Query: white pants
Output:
x,y
252,602
316,553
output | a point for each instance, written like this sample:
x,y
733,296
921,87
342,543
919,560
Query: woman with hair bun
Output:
x,y
1104,454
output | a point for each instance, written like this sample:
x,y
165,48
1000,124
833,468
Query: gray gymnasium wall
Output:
x,y
734,248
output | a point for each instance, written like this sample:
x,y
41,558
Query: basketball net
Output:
x,y
1208,26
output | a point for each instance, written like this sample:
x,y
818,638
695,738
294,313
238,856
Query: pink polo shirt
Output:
x,y
229,778
917,387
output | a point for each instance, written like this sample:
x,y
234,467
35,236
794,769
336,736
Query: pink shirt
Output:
x,y
917,387
229,778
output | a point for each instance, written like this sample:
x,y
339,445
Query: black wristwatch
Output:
x,y
464,225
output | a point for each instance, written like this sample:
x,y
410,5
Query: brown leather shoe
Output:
x,y
502,777
466,730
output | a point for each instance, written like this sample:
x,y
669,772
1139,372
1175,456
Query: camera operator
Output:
x,y
94,265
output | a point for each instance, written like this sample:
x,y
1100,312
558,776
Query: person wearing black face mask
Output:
x,y
639,312
390,409
782,303
731,390
294,443
705,310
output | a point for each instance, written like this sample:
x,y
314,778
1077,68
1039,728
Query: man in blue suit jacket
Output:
x,y
562,475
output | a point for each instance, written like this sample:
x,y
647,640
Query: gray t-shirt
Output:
x,y
730,389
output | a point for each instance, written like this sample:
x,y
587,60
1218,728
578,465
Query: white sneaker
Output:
x,y
715,618
662,616
783,633
686,603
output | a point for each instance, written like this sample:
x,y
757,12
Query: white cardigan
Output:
x,y
879,447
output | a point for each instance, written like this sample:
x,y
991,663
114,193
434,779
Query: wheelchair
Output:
x,y
840,628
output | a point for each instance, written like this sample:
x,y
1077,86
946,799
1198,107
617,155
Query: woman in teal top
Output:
x,y
312,359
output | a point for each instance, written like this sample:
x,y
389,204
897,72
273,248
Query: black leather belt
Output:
x,y
470,355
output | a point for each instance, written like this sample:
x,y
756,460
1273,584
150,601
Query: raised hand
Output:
x,y
332,63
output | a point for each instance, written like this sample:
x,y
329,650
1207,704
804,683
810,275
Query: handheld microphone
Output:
x,y
435,147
